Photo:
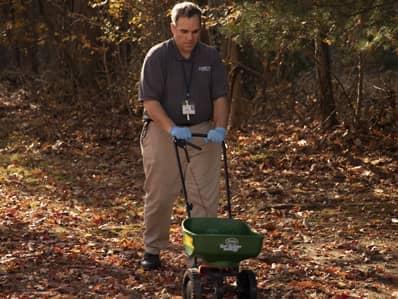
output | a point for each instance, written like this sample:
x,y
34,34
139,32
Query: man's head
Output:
x,y
185,9
185,25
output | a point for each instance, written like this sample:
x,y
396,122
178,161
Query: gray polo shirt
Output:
x,y
162,79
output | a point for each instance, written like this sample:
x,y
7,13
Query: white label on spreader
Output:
x,y
231,244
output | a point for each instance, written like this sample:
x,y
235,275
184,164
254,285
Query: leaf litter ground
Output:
x,y
71,207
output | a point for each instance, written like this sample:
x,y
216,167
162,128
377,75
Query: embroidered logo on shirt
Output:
x,y
204,68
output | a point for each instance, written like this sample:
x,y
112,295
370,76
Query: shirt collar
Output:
x,y
178,55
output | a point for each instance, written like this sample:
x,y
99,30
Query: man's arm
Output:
x,y
158,115
220,112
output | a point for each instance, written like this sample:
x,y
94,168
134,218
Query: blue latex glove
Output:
x,y
216,135
181,133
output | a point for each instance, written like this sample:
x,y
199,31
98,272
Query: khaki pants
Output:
x,y
163,183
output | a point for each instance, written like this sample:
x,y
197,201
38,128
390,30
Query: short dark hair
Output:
x,y
185,9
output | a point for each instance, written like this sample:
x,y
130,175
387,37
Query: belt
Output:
x,y
186,125
148,120
191,125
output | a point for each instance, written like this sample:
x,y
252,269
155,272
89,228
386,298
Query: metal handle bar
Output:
x,y
199,135
183,144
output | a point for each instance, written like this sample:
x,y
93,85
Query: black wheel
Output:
x,y
246,285
219,289
192,287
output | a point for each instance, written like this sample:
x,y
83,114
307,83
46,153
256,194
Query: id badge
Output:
x,y
188,109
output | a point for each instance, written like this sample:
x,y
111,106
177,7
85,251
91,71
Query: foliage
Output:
x,y
80,47
283,33
82,51
268,25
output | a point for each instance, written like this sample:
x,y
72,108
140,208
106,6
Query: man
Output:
x,y
183,88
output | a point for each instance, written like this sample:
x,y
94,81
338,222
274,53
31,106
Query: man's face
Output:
x,y
186,33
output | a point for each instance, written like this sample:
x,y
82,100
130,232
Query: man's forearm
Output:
x,y
221,112
158,115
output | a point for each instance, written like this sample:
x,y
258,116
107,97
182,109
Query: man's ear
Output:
x,y
172,27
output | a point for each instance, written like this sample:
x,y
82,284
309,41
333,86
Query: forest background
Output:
x,y
313,144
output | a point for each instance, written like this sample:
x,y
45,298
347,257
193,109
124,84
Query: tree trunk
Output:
x,y
230,53
323,70
237,115
210,35
359,100
14,44
33,48
393,100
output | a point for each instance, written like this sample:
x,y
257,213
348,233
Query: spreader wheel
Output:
x,y
192,287
246,285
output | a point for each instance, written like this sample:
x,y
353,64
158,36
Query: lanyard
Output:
x,y
187,83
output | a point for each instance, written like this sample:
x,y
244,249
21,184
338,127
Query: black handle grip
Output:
x,y
199,135
183,142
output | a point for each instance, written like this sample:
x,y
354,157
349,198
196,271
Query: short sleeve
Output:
x,y
152,77
219,84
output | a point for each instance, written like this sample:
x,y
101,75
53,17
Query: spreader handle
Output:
x,y
199,135
183,144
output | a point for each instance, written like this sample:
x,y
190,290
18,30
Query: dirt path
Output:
x,y
71,208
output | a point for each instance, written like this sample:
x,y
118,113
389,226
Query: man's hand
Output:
x,y
181,133
216,135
